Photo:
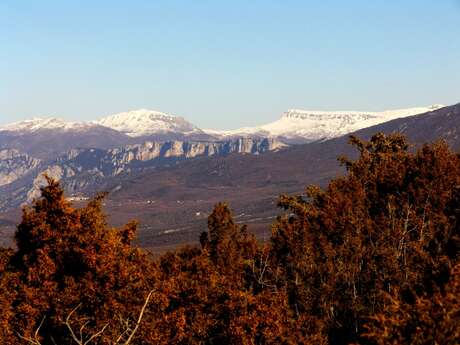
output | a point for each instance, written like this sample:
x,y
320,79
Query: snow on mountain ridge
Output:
x,y
312,125
295,124
144,122
40,123
387,113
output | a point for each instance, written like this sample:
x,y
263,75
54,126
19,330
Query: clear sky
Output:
x,y
225,64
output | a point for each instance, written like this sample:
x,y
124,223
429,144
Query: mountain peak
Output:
x,y
311,125
43,123
317,125
144,122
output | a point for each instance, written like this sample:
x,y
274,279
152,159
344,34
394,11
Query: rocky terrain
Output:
x,y
170,182
14,165
173,202
84,170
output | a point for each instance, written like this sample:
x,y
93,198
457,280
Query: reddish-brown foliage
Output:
x,y
427,320
68,258
390,224
372,259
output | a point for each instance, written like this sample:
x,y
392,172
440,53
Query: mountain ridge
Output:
x,y
86,170
41,123
294,125
252,184
173,200
312,125
144,122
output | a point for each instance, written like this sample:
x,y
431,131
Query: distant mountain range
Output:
x,y
31,147
168,173
301,126
85,170
184,194
50,135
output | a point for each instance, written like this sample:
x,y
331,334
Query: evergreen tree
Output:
x,y
371,259
391,223
68,258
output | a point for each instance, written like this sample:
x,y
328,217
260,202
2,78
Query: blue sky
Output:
x,y
225,64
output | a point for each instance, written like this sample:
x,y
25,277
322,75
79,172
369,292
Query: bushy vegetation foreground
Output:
x,y
371,259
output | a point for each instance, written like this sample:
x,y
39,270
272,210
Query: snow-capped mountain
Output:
x,y
306,125
37,124
294,125
144,122
45,138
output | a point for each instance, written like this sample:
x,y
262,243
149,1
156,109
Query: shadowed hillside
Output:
x,y
251,183
173,202
371,259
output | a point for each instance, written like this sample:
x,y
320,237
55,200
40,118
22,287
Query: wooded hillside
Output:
x,y
371,259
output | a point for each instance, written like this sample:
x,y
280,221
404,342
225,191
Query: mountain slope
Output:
x,y
48,137
143,123
251,184
308,126
443,123
172,201
14,165
87,170
38,124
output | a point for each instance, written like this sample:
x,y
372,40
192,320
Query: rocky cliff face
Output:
x,y
82,170
14,165
113,162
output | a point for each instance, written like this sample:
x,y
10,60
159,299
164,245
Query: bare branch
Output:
x,y
141,315
81,341
35,340
96,334
67,322
127,328
128,331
